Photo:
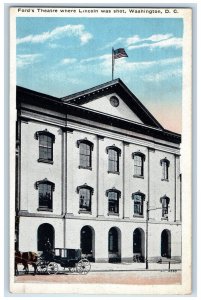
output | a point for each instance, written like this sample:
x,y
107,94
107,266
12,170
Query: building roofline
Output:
x,y
91,90
24,90
120,88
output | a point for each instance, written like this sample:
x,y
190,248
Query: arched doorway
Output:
x,y
138,245
87,242
114,244
45,233
166,243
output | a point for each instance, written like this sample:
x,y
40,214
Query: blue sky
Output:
x,y
61,56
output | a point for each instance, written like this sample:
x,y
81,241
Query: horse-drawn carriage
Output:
x,y
50,261
67,258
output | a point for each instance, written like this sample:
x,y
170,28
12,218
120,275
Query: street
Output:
x,y
114,277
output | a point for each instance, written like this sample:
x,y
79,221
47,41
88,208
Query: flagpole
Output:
x,y
112,63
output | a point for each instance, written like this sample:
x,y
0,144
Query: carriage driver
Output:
x,y
48,250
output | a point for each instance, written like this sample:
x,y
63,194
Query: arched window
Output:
x,y
139,159
85,193
113,200
86,148
165,202
45,233
138,208
113,159
114,245
166,243
113,240
45,194
165,163
46,140
87,242
138,245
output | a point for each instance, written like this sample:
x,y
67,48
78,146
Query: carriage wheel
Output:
x,y
52,268
41,267
83,266
72,269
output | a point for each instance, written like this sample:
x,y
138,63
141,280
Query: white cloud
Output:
x,y
62,76
149,69
160,41
84,37
163,75
169,61
57,33
146,70
54,45
123,64
133,40
103,64
159,37
112,44
68,61
24,60
95,58
151,42
172,42
143,45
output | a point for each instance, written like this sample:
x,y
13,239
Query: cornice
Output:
x,y
57,105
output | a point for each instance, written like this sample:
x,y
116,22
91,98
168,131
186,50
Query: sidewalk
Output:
x,y
112,267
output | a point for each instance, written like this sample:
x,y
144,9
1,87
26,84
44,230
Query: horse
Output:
x,y
26,258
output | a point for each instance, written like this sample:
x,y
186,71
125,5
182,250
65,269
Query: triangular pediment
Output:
x,y
115,99
113,105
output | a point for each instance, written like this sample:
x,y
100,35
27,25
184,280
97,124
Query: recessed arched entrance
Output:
x,y
138,245
166,243
87,242
114,244
45,233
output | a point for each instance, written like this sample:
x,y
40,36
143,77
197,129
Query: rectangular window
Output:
x,y
45,147
113,202
138,205
113,161
85,199
45,196
165,170
164,207
64,253
85,155
138,165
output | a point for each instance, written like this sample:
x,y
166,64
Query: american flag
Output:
x,y
118,53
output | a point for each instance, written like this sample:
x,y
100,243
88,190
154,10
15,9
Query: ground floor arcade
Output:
x,y
103,241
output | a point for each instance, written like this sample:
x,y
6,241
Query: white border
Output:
x,y
189,92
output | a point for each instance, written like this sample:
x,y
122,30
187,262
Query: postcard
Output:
x,y
100,150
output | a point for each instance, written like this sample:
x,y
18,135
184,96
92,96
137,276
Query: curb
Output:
x,y
108,271
137,270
